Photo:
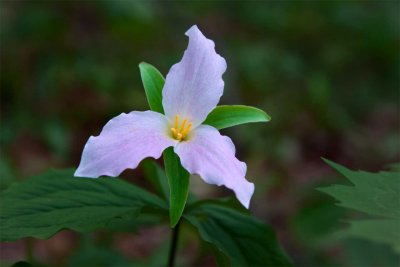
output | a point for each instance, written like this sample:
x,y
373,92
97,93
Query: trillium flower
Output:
x,y
192,90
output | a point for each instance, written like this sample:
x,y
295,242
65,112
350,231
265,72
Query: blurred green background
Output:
x,y
326,71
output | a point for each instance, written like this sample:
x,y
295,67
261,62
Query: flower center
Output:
x,y
180,131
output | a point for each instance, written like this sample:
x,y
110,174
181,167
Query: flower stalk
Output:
x,y
174,244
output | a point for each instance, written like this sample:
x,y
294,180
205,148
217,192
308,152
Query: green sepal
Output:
x,y
153,83
227,116
178,179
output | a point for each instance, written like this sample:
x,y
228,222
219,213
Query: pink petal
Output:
x,y
124,141
212,156
194,86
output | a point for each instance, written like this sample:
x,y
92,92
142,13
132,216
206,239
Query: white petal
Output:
x,y
194,86
124,141
212,156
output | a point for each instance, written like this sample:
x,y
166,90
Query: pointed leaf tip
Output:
x,y
153,83
225,116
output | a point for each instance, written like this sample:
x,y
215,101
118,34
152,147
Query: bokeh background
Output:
x,y
326,71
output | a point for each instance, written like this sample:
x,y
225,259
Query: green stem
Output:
x,y
174,242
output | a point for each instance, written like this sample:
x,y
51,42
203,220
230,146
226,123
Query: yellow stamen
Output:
x,y
173,130
183,125
186,131
176,121
180,133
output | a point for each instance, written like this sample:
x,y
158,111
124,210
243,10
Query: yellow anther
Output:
x,y
186,131
176,121
180,133
183,125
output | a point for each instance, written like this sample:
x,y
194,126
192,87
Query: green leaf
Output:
x,y
359,252
378,195
178,179
241,237
226,116
133,222
380,231
153,83
155,174
43,205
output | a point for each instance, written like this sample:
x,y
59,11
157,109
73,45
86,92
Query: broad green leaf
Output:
x,y
378,195
380,231
245,240
178,179
43,205
359,252
155,174
153,83
226,116
133,222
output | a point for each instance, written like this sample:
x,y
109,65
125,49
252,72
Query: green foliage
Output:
x,y
241,237
381,231
365,253
43,205
378,195
155,174
129,223
153,83
178,179
227,116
